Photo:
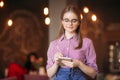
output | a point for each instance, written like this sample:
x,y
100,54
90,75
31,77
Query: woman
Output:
x,y
15,70
70,44
30,62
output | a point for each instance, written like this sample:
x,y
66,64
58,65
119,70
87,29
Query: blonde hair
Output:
x,y
74,9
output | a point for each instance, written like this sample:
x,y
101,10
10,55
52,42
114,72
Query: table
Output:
x,y
35,77
10,78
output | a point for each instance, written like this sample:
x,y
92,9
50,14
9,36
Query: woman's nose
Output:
x,y
70,22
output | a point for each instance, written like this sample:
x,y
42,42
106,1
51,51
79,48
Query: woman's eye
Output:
x,y
74,20
66,20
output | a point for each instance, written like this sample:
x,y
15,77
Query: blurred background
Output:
x,y
29,26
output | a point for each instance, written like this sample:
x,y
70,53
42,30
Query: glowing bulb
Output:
x,y
10,22
46,11
1,4
47,20
81,16
94,17
86,10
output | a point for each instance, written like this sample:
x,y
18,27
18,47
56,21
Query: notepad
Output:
x,y
65,58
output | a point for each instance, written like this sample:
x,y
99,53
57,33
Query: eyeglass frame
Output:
x,y
72,21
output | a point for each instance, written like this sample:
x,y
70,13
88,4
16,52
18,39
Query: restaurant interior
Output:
x,y
30,25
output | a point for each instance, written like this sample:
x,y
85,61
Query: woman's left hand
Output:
x,y
71,64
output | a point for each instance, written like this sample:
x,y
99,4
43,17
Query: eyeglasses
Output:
x,y
72,21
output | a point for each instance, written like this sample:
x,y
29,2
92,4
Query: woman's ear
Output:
x,y
62,22
79,23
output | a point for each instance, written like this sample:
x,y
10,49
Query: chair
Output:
x,y
35,77
10,78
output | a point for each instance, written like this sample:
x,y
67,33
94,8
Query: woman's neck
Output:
x,y
69,35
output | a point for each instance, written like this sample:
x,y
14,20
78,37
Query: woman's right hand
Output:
x,y
56,57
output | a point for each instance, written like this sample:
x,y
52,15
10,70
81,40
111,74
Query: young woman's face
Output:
x,y
32,58
70,22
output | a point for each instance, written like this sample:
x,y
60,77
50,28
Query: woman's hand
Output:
x,y
56,57
71,64
53,69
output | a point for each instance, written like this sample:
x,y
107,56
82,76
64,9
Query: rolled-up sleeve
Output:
x,y
91,56
50,55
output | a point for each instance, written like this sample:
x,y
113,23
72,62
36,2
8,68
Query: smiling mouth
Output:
x,y
70,27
